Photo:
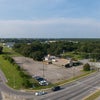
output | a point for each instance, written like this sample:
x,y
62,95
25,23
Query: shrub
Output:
x,y
26,83
6,57
86,67
1,49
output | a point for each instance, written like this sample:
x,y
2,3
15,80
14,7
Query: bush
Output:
x,y
10,59
26,83
86,67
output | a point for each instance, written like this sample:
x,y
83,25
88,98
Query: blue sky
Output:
x,y
50,18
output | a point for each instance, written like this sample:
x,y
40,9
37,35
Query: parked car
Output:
x,y
41,80
37,77
56,88
40,93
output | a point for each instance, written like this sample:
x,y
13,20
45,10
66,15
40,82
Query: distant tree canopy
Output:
x,y
1,49
34,50
37,49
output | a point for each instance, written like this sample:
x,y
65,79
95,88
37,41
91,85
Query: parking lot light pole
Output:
x,y
74,70
43,68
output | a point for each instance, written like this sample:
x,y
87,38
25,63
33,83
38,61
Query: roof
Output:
x,y
97,65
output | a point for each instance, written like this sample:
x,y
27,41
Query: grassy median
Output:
x,y
93,96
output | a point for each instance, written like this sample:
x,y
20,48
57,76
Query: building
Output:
x,y
50,58
9,44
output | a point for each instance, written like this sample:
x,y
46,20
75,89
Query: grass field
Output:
x,y
12,75
10,52
72,55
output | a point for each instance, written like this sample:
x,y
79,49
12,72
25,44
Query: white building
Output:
x,y
9,44
50,58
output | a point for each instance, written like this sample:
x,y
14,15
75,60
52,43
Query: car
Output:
x,y
39,93
43,82
40,79
56,88
37,77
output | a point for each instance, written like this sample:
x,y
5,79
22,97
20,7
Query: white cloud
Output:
x,y
59,27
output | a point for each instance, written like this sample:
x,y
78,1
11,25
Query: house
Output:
x,y
50,58
96,66
9,44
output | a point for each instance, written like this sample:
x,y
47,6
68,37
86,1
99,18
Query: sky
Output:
x,y
49,18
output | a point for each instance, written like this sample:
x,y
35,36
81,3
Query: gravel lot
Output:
x,y
52,72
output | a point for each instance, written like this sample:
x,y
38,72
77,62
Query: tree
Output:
x,y
37,55
1,48
86,67
96,54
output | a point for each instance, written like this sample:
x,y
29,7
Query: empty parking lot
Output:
x,y
52,72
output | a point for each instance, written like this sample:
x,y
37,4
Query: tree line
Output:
x,y
37,50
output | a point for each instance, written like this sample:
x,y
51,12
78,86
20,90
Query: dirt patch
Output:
x,y
51,72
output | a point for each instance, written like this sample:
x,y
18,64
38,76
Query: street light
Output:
x,y
73,72
43,70
43,67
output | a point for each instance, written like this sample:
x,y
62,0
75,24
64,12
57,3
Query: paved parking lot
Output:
x,y
51,72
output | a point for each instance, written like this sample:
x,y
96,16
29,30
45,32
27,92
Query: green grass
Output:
x,y
72,55
93,96
12,75
10,52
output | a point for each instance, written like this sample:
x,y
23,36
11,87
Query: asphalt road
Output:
x,y
0,97
76,90
5,88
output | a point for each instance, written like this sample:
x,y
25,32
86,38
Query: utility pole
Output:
x,y
73,72
43,67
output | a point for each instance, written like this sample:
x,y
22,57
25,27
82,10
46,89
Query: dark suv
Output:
x,y
56,88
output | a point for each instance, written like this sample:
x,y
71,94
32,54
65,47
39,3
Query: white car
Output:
x,y
40,93
43,82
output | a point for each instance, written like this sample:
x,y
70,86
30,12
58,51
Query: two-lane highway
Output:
x,y
77,91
